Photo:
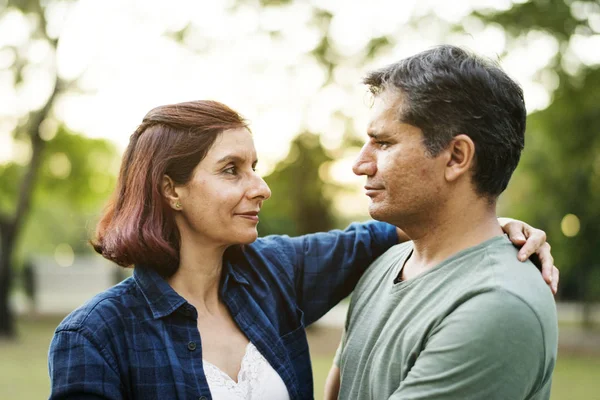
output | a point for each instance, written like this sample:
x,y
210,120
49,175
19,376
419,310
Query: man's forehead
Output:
x,y
385,112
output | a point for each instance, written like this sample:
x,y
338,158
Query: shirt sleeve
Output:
x,y
490,347
330,264
80,370
324,267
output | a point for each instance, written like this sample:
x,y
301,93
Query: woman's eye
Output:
x,y
383,145
230,171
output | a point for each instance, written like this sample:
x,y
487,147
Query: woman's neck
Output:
x,y
198,276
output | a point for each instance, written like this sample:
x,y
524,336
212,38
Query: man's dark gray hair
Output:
x,y
448,91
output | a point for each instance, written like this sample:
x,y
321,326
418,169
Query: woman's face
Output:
x,y
220,204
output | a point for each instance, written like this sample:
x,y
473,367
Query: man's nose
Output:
x,y
365,162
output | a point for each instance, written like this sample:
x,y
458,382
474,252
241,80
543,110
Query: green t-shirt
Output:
x,y
480,325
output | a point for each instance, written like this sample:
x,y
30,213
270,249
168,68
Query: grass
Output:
x,y
23,364
24,373
576,377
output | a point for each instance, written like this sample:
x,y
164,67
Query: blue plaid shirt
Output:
x,y
139,339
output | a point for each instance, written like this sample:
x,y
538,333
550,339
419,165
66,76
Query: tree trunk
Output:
x,y
10,226
7,319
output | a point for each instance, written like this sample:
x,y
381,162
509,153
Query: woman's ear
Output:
x,y
462,157
170,193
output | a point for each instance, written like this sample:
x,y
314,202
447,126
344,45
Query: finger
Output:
x,y
535,239
555,279
547,262
515,232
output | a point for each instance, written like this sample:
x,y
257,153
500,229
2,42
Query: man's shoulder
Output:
x,y
521,279
499,274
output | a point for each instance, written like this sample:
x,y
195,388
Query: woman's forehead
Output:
x,y
235,144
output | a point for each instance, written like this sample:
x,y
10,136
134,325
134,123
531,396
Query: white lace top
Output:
x,y
257,380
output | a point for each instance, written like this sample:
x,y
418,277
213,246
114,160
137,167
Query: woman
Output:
x,y
200,310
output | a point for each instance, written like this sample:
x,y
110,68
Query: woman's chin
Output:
x,y
246,237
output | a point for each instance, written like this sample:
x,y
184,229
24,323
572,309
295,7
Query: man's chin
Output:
x,y
376,212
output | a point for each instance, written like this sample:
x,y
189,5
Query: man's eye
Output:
x,y
382,144
230,171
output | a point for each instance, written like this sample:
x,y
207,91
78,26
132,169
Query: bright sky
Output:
x,y
127,65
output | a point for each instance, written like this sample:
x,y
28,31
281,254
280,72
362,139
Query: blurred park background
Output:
x,y
76,77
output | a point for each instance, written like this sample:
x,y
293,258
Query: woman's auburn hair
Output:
x,y
138,225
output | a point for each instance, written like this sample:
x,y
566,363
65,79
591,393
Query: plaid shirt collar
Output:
x,y
163,300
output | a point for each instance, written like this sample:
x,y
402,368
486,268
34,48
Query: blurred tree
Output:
x,y
74,178
30,131
298,205
557,184
76,175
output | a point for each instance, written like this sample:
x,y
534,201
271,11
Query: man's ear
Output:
x,y
170,193
461,151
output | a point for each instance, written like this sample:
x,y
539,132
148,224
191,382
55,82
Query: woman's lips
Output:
x,y
252,216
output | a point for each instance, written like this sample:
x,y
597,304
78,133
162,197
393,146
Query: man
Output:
x,y
452,314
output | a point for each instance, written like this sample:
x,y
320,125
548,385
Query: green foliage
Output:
x,y
298,204
552,16
376,45
76,177
10,175
559,174
25,5
94,166
270,3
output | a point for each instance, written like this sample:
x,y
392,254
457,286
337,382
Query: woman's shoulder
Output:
x,y
104,310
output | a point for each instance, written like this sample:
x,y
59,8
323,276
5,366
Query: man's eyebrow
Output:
x,y
378,135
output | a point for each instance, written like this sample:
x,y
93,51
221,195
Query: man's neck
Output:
x,y
449,233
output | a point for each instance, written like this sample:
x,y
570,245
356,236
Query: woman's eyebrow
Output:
x,y
231,158
234,158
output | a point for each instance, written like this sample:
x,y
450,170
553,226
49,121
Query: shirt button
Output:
x,y
192,346
202,398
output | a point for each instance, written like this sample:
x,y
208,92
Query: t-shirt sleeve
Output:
x,y
490,347
325,267
81,370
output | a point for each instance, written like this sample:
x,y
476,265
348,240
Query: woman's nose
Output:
x,y
259,189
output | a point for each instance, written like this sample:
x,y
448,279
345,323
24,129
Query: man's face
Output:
x,y
404,182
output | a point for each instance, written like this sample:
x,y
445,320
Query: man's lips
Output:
x,y
372,190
